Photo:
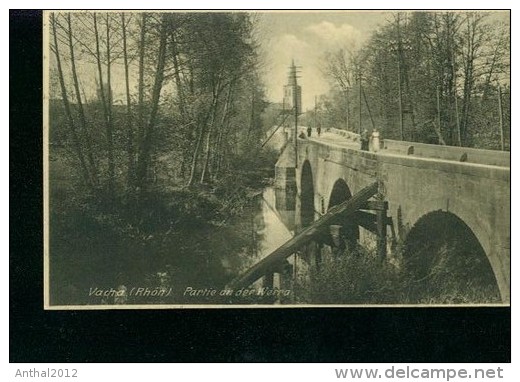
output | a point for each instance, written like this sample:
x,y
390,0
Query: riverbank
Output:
x,y
170,242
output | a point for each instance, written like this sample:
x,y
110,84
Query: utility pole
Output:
x,y
295,106
501,118
399,50
295,97
459,138
348,110
360,90
294,84
283,113
315,111
346,92
401,125
439,110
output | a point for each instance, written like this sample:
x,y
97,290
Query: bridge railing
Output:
x,y
463,154
344,133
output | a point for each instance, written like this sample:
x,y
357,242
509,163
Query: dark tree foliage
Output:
x,y
190,104
155,132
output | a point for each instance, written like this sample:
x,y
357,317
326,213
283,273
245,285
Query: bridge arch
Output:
x,y
349,228
447,262
307,195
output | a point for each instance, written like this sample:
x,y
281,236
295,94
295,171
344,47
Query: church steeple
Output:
x,y
292,91
292,75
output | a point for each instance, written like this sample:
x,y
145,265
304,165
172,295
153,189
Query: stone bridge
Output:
x,y
422,184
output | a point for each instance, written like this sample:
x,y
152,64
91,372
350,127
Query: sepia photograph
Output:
x,y
279,159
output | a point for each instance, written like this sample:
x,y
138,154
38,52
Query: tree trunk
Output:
x,y
81,111
144,156
471,54
75,139
252,116
140,97
196,152
178,82
105,108
181,98
491,70
110,123
129,126
457,120
216,94
225,114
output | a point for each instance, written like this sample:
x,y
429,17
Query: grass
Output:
x,y
361,277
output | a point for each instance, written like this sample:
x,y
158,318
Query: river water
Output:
x,y
270,228
215,255
200,257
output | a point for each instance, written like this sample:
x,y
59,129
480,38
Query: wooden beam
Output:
x,y
381,232
366,220
268,281
269,262
374,205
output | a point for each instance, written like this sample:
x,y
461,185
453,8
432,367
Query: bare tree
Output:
x,y
472,43
66,104
81,111
129,122
145,144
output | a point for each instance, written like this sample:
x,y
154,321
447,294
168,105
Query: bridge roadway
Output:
x,y
420,182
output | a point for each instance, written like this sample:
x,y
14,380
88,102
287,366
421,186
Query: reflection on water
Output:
x,y
285,204
272,223
218,255
200,257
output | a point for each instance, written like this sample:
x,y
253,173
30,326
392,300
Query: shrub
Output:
x,y
356,277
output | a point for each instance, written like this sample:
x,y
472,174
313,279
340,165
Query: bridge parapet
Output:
x,y
344,133
452,153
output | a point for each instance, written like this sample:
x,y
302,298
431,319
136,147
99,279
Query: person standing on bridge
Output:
x,y
319,129
309,131
364,140
376,143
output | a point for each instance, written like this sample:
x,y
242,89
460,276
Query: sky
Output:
x,y
306,37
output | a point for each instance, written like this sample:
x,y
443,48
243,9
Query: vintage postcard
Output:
x,y
276,158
